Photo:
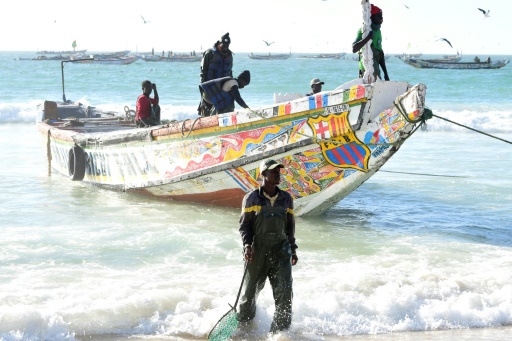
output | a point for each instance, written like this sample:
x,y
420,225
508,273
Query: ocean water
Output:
x,y
422,250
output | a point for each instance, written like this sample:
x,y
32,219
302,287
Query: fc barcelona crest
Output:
x,y
339,143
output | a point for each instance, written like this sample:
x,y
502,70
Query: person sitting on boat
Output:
x,y
489,60
376,36
316,86
477,60
147,109
217,63
221,93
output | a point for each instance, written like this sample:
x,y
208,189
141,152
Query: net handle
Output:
x,y
241,285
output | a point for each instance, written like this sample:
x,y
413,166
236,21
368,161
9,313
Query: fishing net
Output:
x,y
225,327
229,322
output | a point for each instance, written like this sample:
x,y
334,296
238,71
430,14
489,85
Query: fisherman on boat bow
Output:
x,y
376,36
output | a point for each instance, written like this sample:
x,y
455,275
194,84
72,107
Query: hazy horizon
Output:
x,y
300,26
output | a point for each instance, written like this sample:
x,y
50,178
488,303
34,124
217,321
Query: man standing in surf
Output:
x,y
267,228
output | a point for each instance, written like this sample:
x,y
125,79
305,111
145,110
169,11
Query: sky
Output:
x,y
308,26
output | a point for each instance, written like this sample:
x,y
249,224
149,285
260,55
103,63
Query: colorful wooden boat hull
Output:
x,y
330,144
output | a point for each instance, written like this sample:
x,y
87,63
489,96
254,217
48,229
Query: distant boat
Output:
x,y
270,56
176,58
453,57
109,54
151,58
180,58
433,64
118,60
326,55
60,52
445,59
56,57
409,55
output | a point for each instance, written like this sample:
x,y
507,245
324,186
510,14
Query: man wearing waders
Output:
x,y
267,227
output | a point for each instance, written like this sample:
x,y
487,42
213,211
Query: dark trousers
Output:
x,y
153,120
276,265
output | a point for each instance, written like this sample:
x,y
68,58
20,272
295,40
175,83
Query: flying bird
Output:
x,y
145,22
446,40
406,6
486,13
268,44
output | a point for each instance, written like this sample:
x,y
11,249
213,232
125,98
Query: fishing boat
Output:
x,y
440,64
61,52
270,56
175,58
41,57
182,59
117,60
106,55
330,143
326,55
151,58
444,59
452,57
410,55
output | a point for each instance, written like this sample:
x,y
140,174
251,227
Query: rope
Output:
x,y
425,174
129,113
191,127
475,130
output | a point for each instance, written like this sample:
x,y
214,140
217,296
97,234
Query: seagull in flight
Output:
x,y
145,22
268,44
446,40
486,13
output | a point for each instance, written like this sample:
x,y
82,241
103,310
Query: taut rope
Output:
x,y
475,130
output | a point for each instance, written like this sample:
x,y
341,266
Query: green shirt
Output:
x,y
376,44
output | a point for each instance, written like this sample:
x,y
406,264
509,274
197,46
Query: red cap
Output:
x,y
375,10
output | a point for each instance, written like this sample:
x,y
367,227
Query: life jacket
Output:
x,y
214,93
220,66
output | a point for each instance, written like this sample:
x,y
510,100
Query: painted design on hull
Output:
x,y
244,179
346,151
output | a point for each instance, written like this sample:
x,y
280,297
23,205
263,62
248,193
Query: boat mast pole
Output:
x,y
367,56
62,72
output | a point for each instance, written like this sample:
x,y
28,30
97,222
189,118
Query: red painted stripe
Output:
x,y
343,127
354,149
334,126
339,157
